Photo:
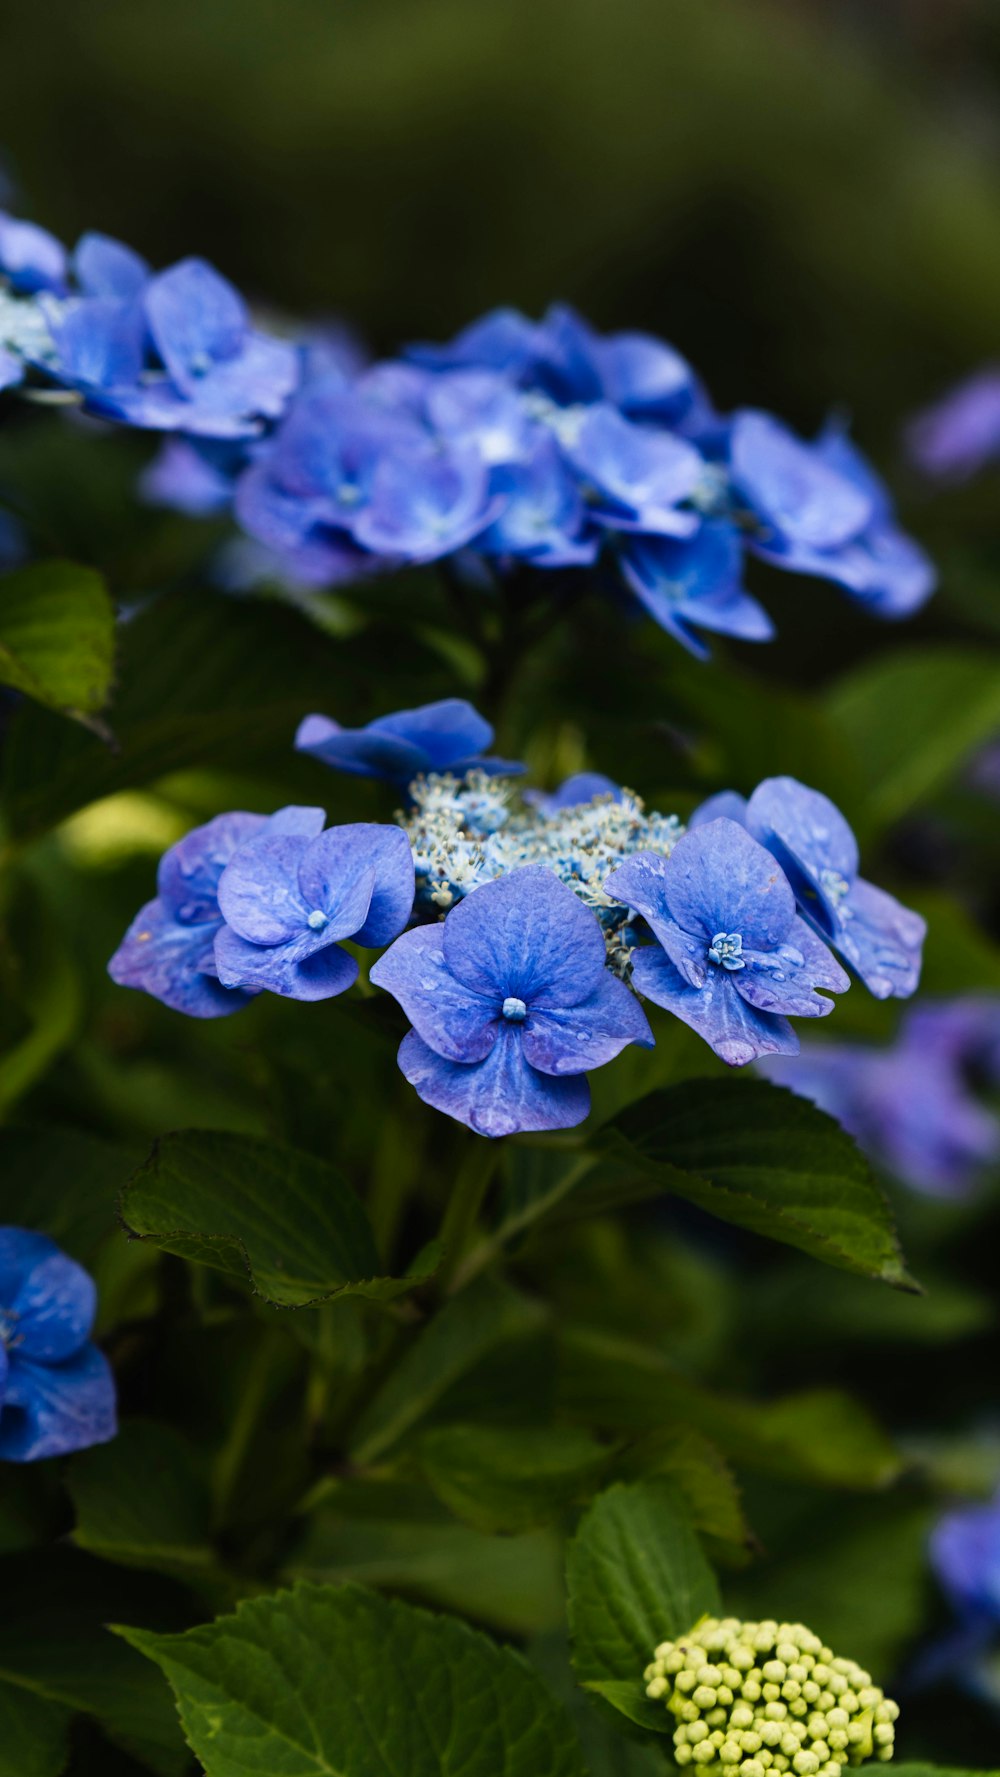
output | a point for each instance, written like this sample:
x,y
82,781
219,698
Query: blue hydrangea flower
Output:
x,y
695,583
960,434
31,259
193,476
910,1105
821,509
511,1004
815,847
543,518
449,736
965,1555
637,476
731,958
574,792
169,949
57,1393
287,899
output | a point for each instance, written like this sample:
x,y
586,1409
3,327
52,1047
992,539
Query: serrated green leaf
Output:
x,y
282,1219
913,718
339,1682
509,1478
701,1474
635,1576
57,636
757,1155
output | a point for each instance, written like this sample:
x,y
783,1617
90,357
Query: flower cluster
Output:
x,y
911,1106
57,1393
520,444
559,908
758,1697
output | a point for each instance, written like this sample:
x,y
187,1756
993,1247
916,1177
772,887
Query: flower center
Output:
x,y
317,920
514,1010
833,885
725,949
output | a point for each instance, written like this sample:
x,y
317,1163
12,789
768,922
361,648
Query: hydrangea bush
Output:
x,y
399,1379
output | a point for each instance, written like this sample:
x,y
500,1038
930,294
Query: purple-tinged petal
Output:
x,y
52,1312
53,1409
543,518
528,937
480,408
640,476
259,381
717,879
784,981
185,479
259,894
100,344
300,970
187,878
645,377
574,792
960,434
337,866
173,962
735,1030
425,502
811,840
791,488
726,805
695,583
503,340
882,940
456,1022
588,1034
362,752
197,319
446,731
106,267
501,1095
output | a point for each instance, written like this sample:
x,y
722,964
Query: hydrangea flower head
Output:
x,y
750,1698
911,1106
732,959
511,1004
288,898
57,1393
169,949
449,736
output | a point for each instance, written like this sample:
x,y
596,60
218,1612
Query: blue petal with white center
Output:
x,y
57,1393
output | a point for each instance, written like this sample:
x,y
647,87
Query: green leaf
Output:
x,y
288,1222
635,1576
339,1682
511,1478
62,1182
821,1435
57,636
469,1328
922,1770
913,718
757,1155
144,1501
34,1734
700,1473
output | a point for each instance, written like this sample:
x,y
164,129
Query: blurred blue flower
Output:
x,y
31,259
732,959
965,1556
636,476
820,509
695,583
574,792
960,434
169,949
288,897
511,1003
543,518
193,476
911,1106
449,736
57,1393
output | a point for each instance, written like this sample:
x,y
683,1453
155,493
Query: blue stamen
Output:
x,y
725,949
514,1010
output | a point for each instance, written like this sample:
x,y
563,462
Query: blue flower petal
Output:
x,y
173,962
31,259
574,792
735,1030
337,867
100,344
725,805
695,583
456,1021
197,319
799,496
106,267
525,936
259,894
301,970
717,879
501,1095
362,752
21,1251
51,1410
639,475
588,1034
882,940
426,501
52,1310
811,839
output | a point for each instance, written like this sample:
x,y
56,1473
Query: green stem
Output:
x,y
471,1183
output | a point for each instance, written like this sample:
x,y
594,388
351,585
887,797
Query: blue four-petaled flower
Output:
x,y
511,1004
732,958
57,1393
448,736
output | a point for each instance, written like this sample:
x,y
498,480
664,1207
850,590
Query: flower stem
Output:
x,y
470,1187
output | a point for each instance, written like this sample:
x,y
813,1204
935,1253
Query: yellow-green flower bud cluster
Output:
x,y
759,1699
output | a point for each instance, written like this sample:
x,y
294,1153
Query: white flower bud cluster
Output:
x,y
758,1698
24,329
465,832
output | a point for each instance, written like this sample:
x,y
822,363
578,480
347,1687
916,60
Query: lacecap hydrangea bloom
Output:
x,y
511,1003
752,1698
911,1105
57,1393
518,445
